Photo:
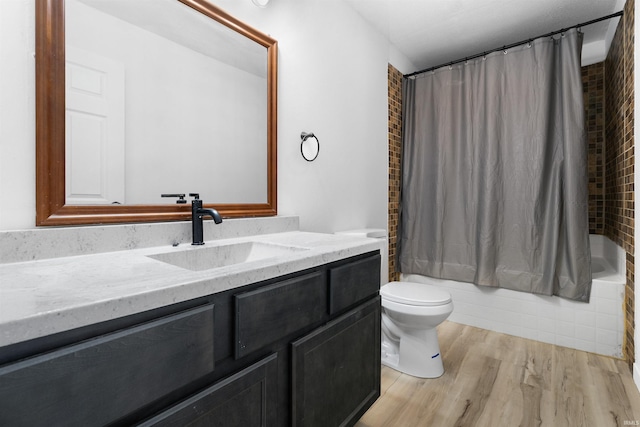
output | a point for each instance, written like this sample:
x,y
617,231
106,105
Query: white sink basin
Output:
x,y
208,257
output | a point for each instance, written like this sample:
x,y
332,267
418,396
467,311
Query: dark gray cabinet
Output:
x,y
271,312
302,349
353,282
336,369
100,380
247,398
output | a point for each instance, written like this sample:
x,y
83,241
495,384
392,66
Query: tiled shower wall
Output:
x,y
608,95
611,159
593,90
619,158
395,149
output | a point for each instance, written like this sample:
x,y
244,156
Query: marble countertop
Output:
x,y
47,296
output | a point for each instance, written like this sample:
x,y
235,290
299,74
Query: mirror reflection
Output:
x,y
161,99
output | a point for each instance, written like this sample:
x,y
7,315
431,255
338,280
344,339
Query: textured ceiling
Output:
x,y
433,32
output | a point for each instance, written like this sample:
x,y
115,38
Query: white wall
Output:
x,y
17,117
332,81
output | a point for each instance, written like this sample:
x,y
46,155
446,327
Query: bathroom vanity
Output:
x,y
270,328
289,339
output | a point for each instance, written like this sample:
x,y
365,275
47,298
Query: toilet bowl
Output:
x,y
410,313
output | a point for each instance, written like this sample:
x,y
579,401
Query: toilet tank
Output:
x,y
375,233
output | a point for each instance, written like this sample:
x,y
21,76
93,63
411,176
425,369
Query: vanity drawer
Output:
x,y
272,312
98,381
353,282
247,398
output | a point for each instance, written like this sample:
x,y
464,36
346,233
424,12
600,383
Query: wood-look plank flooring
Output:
x,y
493,379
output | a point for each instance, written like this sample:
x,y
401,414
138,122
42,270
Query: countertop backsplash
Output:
x,y
56,242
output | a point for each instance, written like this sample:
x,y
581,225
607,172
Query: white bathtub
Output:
x,y
597,327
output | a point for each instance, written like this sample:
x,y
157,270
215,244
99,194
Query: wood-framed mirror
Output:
x,y
55,206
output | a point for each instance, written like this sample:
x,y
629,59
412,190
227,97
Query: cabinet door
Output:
x,y
336,369
98,381
248,398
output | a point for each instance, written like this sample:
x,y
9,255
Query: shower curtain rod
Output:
x,y
584,24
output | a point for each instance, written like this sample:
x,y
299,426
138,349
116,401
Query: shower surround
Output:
x,y
613,203
596,327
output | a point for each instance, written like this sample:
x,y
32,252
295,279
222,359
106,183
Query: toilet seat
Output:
x,y
417,294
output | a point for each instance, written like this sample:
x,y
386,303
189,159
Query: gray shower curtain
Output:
x,y
495,186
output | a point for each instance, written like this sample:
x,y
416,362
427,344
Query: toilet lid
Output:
x,y
412,293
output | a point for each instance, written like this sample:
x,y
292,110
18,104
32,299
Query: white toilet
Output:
x,y
410,313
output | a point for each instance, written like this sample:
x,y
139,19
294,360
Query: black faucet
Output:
x,y
197,212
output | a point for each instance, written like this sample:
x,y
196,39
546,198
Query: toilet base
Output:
x,y
418,354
